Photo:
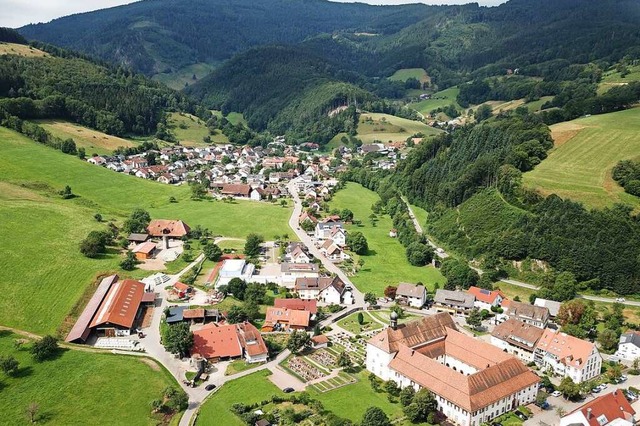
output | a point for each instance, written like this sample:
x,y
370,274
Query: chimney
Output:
x,y
588,413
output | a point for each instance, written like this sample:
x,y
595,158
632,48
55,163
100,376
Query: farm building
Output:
x,y
220,342
283,319
167,229
145,250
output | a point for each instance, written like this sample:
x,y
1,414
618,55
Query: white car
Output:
x,y
556,393
620,299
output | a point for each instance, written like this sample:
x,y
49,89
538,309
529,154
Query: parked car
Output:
x,y
287,390
620,299
521,415
210,387
595,390
556,393
544,405
623,378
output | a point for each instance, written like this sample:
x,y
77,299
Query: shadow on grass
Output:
x,y
371,253
23,372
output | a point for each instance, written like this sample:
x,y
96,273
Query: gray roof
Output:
x,y
455,298
552,305
299,267
330,225
410,290
523,310
175,314
630,337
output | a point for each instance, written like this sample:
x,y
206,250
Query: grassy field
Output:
x,y
77,386
44,274
190,130
386,263
440,99
21,50
350,323
386,128
91,140
407,73
613,78
177,79
586,149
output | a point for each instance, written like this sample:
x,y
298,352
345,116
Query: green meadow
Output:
x,y
438,100
579,166
44,275
386,263
190,130
79,387
389,128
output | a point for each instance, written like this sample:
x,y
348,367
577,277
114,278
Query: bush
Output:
x,y
44,349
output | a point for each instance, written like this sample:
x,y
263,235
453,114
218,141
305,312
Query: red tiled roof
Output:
x,y
291,317
81,329
213,341
145,248
486,296
251,339
236,189
180,286
319,339
193,313
613,405
569,350
120,305
168,228
298,304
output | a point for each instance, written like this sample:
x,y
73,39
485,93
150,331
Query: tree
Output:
x,y
92,247
406,395
541,397
344,360
97,217
178,339
32,411
577,317
458,274
614,372
564,288
317,330
45,348
237,288
419,254
423,404
252,245
390,292
374,381
483,112
137,221
212,252
391,388
198,190
251,310
129,262
346,215
9,365
374,416
569,388
66,193
370,298
236,315
255,293
474,319
298,340
358,243
360,318
608,339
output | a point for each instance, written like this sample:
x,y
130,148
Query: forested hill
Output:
x,y
60,84
152,36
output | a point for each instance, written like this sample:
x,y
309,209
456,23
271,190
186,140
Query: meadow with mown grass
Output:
x,y
80,387
389,128
93,141
586,150
44,273
191,130
386,263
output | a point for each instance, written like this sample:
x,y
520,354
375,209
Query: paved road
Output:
x,y
306,239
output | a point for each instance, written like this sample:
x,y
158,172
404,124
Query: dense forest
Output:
x,y
470,182
67,86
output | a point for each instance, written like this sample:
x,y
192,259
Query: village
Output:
x,y
484,356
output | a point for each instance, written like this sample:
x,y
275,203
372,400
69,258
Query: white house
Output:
x,y
298,255
517,338
567,356
339,236
255,195
234,268
611,409
290,272
534,315
324,230
485,299
629,346
411,294
472,381
326,289
333,252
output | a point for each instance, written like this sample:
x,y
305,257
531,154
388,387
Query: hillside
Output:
x,y
585,150
388,128
44,272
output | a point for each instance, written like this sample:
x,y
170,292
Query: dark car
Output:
x,y
287,390
520,415
210,387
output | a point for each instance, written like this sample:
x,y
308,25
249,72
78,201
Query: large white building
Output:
x,y
325,289
472,381
234,268
629,346
611,409
568,356
517,338
411,294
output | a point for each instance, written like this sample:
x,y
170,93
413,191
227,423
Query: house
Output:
x,y
453,302
339,236
611,409
168,229
182,289
567,356
333,252
119,309
411,295
255,195
298,254
234,268
290,272
236,190
220,342
472,381
551,305
137,238
629,346
324,229
326,289
145,250
530,314
485,299
319,341
297,304
97,160
283,319
174,314
306,217
517,338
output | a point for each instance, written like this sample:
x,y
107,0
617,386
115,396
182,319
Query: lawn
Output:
x,y
239,366
438,100
386,263
385,128
184,76
350,323
77,386
20,50
250,389
579,167
92,141
190,130
421,215
407,73
613,78
44,275
383,315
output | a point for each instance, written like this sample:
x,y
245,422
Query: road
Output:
x,y
308,241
